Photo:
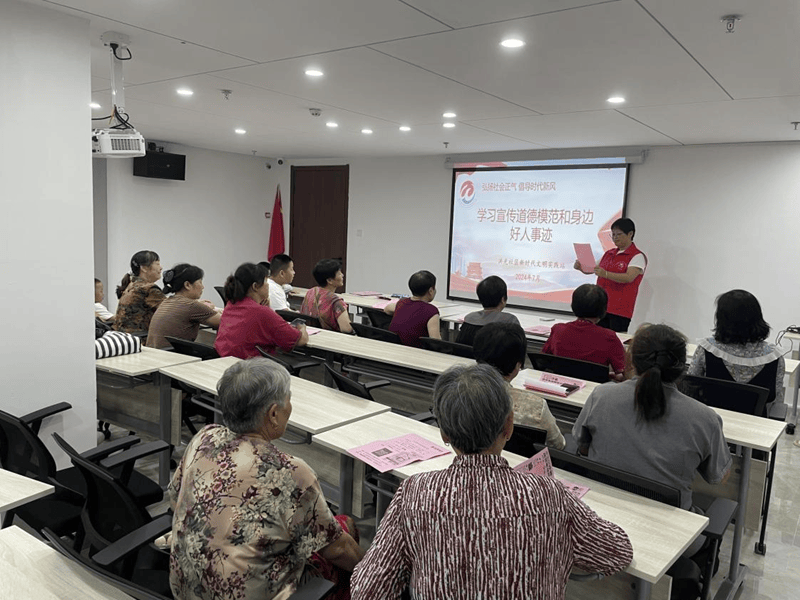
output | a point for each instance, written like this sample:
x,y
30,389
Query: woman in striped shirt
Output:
x,y
478,529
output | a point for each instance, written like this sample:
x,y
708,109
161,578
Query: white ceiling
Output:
x,y
404,62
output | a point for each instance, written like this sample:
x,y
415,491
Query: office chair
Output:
x,y
289,316
524,440
375,333
221,292
569,367
294,363
378,318
445,347
466,333
189,348
720,512
356,388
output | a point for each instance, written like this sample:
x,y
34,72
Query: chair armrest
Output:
x,y
313,589
34,419
379,383
105,450
133,541
719,516
423,416
134,454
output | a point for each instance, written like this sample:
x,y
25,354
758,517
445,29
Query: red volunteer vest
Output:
x,y
621,296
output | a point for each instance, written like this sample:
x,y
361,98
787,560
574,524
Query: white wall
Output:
x,y
47,354
214,219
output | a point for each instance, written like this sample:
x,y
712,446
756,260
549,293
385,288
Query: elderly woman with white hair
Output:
x,y
250,521
479,529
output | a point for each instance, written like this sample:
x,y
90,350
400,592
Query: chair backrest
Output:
x,y
446,347
132,589
641,486
375,333
345,384
201,351
378,318
22,452
524,439
570,367
268,355
466,333
289,316
728,395
111,511
221,292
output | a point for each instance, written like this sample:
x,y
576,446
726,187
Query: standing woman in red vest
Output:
x,y
619,273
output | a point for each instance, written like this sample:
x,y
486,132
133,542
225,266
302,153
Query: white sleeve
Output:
x,y
639,262
102,312
277,297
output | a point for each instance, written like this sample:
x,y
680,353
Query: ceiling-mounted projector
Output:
x,y
117,143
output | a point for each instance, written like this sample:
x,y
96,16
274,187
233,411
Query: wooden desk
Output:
x,y
147,363
659,533
747,431
16,490
315,409
32,570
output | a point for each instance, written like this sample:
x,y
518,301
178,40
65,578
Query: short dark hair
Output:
x,y
279,262
589,301
143,258
175,277
326,269
501,345
738,319
238,284
492,291
420,282
625,225
265,264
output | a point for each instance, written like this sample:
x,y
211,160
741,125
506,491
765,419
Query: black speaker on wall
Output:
x,y
160,165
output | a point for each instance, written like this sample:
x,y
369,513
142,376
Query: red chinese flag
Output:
x,y
277,243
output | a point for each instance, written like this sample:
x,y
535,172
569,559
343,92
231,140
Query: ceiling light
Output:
x,y
449,115
240,131
512,43
185,91
405,128
367,131
94,105
448,125
314,73
331,124
616,99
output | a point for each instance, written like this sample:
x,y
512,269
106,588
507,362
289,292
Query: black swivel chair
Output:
x,y
525,439
375,333
378,318
290,315
569,367
221,292
720,512
294,363
189,406
356,388
189,348
738,397
445,347
466,333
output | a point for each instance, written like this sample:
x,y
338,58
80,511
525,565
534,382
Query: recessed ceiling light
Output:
x,y
367,131
314,73
512,43
331,124
185,91
448,125
240,131
449,115
405,128
616,99
94,105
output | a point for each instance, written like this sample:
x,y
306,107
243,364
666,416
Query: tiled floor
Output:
x,y
775,576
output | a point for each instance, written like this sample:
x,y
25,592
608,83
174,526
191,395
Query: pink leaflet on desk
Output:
x,y
577,490
312,330
538,464
385,455
539,329
382,304
365,293
543,386
561,380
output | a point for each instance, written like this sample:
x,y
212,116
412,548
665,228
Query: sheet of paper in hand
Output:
x,y
585,257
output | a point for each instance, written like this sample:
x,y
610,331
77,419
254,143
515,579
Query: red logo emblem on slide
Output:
x,y
467,193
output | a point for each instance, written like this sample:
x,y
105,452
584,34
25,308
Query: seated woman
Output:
x,y
322,302
503,346
416,317
138,294
583,338
250,521
180,315
479,529
248,321
647,427
100,311
739,351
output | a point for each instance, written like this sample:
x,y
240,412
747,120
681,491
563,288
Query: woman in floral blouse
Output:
x,y
249,518
322,302
138,294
